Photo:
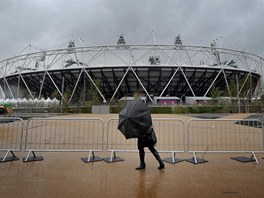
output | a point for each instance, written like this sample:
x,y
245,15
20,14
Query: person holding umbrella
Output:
x,y
148,140
135,122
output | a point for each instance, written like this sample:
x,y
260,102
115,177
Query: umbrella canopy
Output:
x,y
134,119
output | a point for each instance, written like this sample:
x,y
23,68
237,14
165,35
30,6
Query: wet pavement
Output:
x,y
66,175
207,115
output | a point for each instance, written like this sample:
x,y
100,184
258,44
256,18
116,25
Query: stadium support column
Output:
x,y
76,84
187,82
55,85
9,88
29,91
213,82
169,82
141,84
2,93
104,100
120,83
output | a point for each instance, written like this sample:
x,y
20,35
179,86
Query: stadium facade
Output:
x,y
121,70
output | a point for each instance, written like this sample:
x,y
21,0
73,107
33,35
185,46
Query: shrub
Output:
x,y
160,110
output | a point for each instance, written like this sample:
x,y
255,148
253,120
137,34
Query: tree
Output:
x,y
137,95
216,93
93,94
55,94
66,96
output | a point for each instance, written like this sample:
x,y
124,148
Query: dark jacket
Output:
x,y
148,139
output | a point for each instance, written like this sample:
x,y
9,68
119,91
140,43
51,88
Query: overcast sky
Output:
x,y
48,24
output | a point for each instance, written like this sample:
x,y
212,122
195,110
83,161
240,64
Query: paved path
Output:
x,y
65,175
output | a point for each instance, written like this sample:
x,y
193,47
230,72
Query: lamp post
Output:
x,y
238,100
62,88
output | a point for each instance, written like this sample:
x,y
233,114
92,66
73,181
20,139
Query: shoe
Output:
x,y
141,167
162,166
157,156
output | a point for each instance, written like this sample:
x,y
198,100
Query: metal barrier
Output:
x,y
64,135
11,133
169,132
224,136
87,135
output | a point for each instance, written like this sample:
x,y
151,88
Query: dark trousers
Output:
x,y
142,144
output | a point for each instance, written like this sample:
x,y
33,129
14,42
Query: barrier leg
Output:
x,y
7,158
196,160
91,158
113,158
32,158
172,159
243,159
254,157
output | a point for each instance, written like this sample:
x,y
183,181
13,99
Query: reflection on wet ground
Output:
x,y
256,116
149,187
207,115
65,175
259,116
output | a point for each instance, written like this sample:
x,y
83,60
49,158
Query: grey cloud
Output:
x,y
50,23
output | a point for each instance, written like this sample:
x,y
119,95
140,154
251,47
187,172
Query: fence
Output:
x,y
64,135
87,135
11,133
169,132
222,135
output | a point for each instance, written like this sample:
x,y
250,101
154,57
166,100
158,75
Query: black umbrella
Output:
x,y
134,119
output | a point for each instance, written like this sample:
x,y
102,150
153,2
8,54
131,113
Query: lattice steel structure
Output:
x,y
123,69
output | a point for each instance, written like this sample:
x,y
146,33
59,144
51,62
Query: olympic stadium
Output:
x,y
122,69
